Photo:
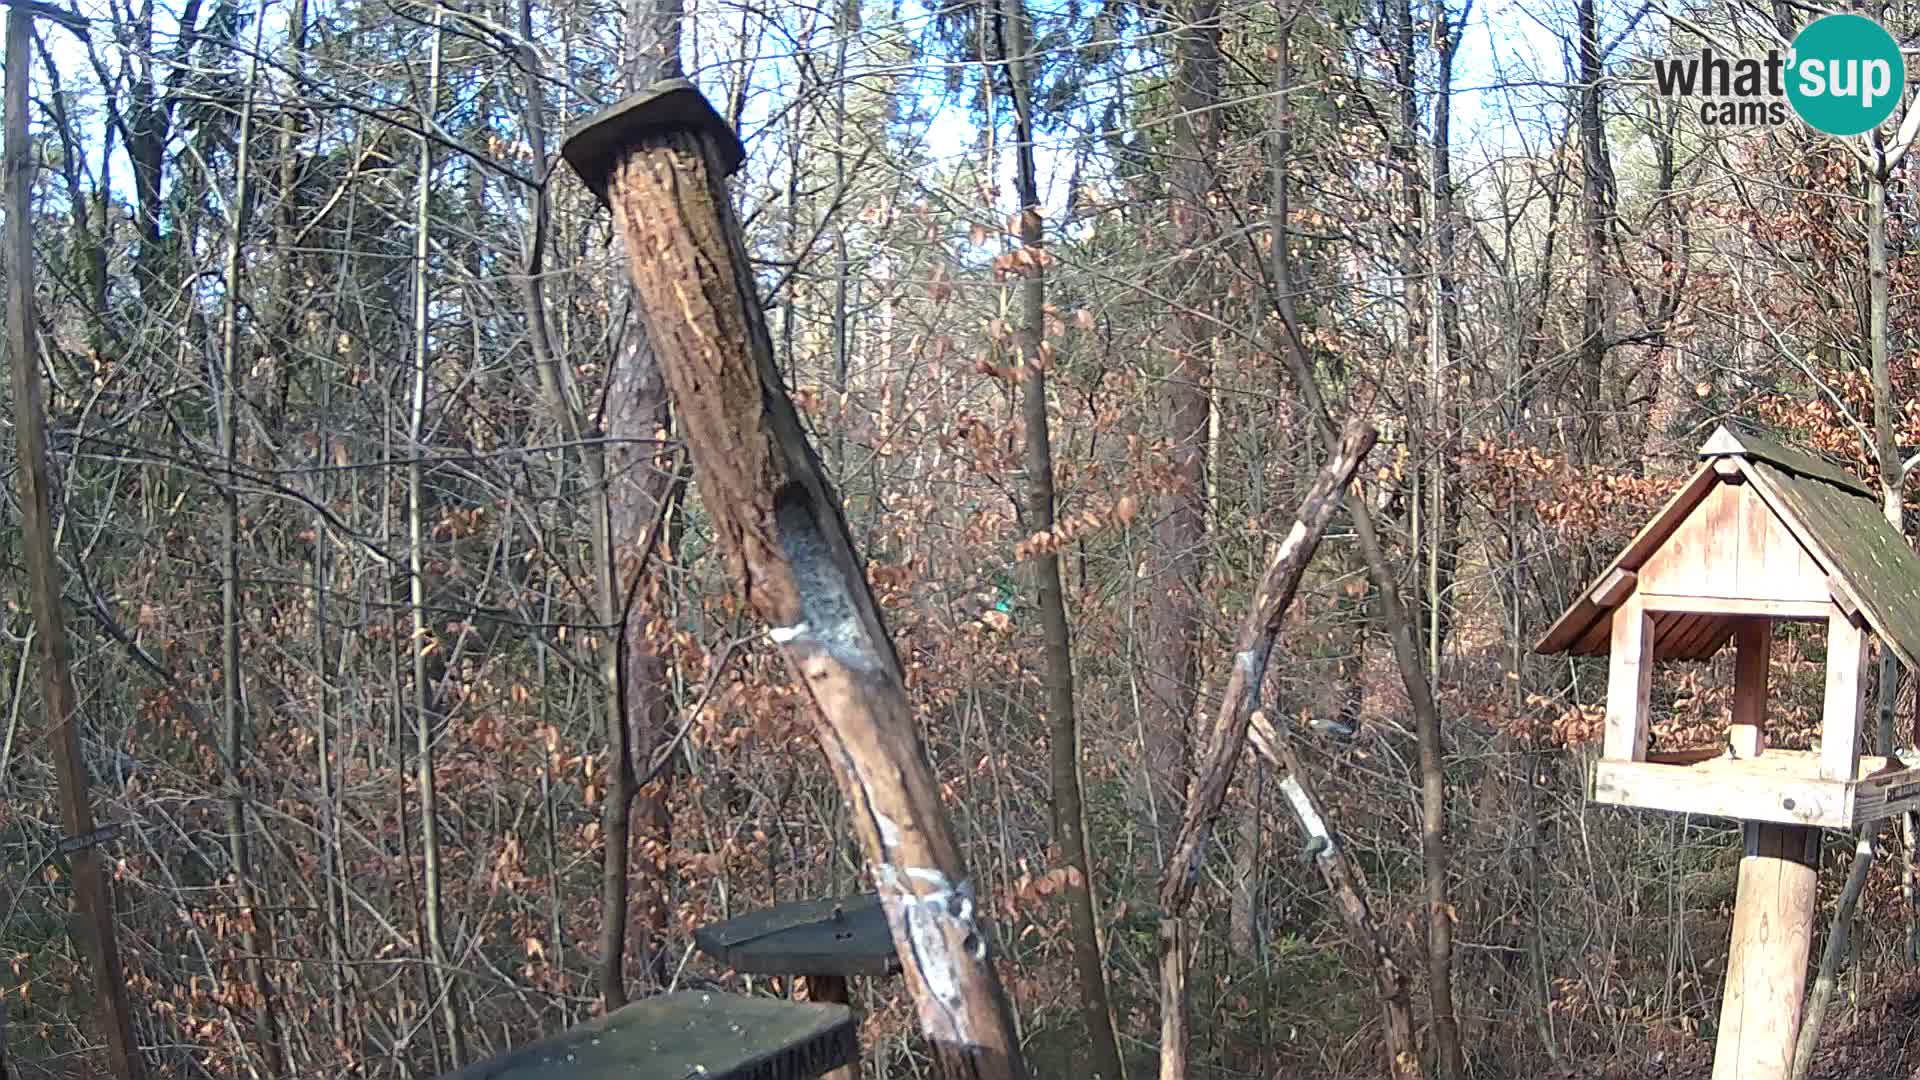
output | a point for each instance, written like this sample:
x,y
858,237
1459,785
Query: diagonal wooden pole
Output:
x,y
660,159
94,927
1259,631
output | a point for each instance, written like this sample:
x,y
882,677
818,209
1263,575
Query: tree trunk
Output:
x,y
1174,610
1253,647
1406,650
635,483
1063,736
421,641
1443,337
1593,345
1243,907
93,894
256,934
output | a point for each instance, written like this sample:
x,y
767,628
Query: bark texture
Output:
x,y
1179,529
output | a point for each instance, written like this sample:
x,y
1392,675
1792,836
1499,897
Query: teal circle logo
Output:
x,y
1847,74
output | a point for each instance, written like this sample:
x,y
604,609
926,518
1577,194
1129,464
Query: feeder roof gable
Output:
x,y
1832,514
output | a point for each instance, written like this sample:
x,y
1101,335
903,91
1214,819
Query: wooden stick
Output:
x,y
94,928
661,159
1349,892
1254,646
1258,632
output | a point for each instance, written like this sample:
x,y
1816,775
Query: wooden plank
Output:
x,y
1596,639
1719,539
1692,755
1614,586
1734,545
1718,634
1806,610
1846,697
1887,791
1757,550
1629,682
1722,788
1573,629
1678,564
1695,645
1843,595
1790,572
1670,629
845,936
702,1033
1767,964
1753,643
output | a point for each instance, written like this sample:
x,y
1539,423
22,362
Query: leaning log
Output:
x,y
660,160
1258,632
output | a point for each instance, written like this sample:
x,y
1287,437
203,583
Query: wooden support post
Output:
x,y
1846,697
1767,964
833,990
1752,644
1747,741
1629,682
660,159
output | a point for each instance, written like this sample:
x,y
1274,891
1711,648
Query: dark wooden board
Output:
x,y
848,936
693,1035
597,144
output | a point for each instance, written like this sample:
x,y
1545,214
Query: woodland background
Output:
x,y
409,669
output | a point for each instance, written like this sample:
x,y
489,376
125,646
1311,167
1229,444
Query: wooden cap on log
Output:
x,y
596,144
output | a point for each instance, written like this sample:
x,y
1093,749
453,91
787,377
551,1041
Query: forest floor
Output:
x,y
1878,1041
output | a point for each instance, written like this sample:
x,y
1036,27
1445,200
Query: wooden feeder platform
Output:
x,y
1784,786
843,937
692,1035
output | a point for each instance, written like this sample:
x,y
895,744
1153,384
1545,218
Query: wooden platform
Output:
x,y
693,1035
1779,785
847,936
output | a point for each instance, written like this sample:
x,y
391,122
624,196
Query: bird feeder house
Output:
x,y
1760,533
